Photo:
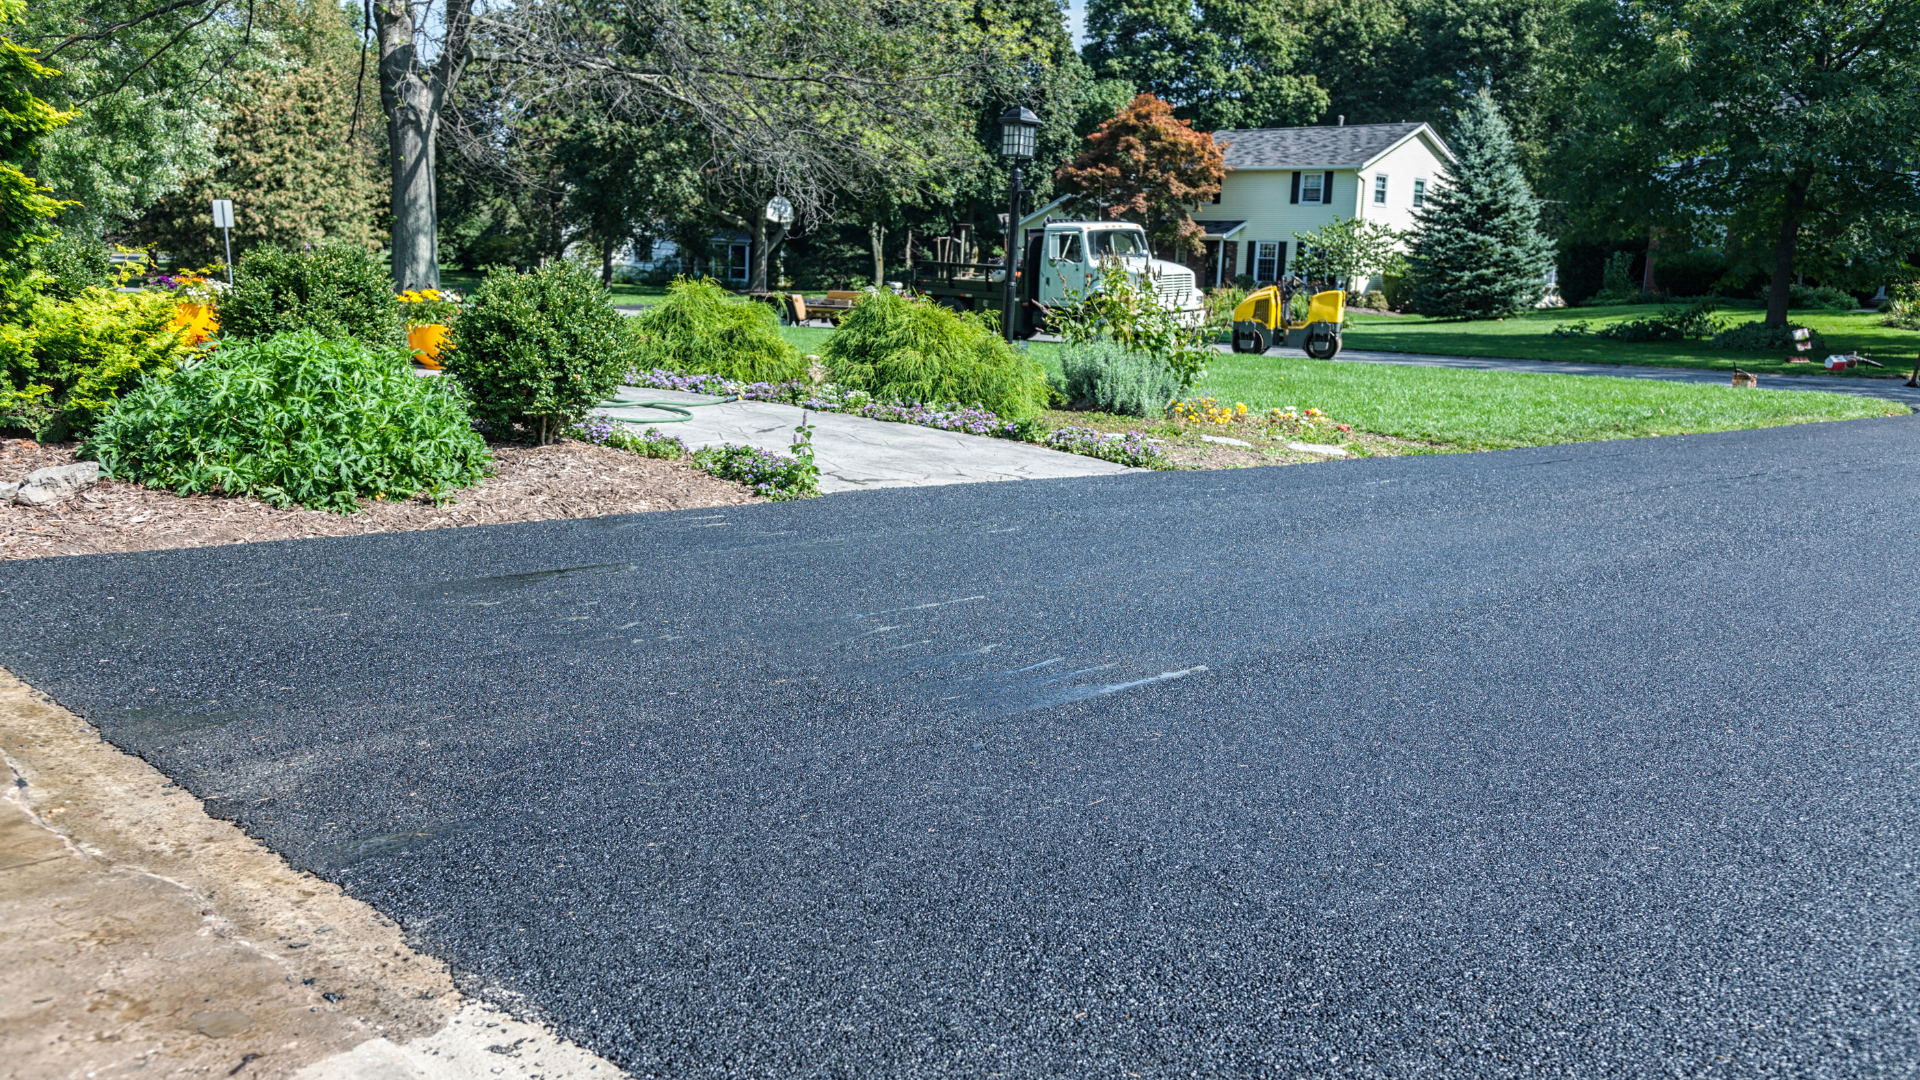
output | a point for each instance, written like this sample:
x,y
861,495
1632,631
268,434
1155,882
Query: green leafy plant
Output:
x,y
336,291
72,360
295,418
1903,306
774,476
1668,324
1759,337
1343,251
1819,298
910,350
1120,309
539,350
1113,378
702,329
70,263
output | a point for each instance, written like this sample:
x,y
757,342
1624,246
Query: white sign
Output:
x,y
779,211
223,213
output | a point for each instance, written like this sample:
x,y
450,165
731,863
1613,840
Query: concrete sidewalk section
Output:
x,y
144,938
855,453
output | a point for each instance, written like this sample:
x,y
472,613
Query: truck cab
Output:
x,y
1066,267
1060,267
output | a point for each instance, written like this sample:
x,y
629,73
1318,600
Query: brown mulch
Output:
x,y
564,480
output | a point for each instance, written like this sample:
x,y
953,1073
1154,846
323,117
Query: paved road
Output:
x,y
855,453
1579,761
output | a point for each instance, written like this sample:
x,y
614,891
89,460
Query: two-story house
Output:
x,y
1282,181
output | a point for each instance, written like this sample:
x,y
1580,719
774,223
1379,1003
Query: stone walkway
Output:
x,y
856,453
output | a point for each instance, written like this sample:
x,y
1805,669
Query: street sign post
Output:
x,y
223,220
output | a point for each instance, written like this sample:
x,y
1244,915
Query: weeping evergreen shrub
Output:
x,y
702,329
295,418
1112,378
911,350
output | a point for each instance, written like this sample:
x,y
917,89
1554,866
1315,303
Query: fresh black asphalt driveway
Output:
x,y
1585,761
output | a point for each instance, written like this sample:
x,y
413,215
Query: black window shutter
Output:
x,y
1282,272
1326,191
1296,188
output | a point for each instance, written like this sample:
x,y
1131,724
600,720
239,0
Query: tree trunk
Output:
x,y
606,262
1648,284
412,97
1790,215
879,237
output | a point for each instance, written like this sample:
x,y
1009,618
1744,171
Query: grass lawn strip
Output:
x,y
1529,336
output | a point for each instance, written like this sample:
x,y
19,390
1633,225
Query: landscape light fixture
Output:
x,y
1018,126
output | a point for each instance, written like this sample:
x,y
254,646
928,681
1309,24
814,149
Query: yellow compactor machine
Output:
x,y
1265,319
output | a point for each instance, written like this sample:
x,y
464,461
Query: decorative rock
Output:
x,y
1224,441
7,492
1316,448
43,487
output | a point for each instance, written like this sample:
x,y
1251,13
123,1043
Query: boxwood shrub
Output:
x,y
295,418
539,350
336,291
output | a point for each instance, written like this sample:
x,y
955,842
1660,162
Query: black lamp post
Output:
x,y
1017,128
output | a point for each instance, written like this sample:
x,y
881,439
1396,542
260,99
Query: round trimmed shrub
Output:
x,y
911,350
335,290
540,350
702,329
295,418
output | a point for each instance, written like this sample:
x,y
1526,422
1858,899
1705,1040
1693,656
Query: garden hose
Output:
x,y
680,407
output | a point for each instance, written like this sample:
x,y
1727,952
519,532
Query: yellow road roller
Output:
x,y
1264,320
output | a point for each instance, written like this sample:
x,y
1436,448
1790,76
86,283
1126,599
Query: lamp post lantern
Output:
x,y
1017,128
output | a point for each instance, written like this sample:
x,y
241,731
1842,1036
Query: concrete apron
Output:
x,y
144,938
854,452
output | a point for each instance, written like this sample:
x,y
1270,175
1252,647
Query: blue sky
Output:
x,y
1077,20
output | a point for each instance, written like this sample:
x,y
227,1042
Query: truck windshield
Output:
x,y
1106,242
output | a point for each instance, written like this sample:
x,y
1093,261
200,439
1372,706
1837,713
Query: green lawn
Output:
x,y
1529,336
623,295
1494,410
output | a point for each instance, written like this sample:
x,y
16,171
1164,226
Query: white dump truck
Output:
x,y
1060,265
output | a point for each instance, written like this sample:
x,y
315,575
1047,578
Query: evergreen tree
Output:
x,y
1477,251
25,204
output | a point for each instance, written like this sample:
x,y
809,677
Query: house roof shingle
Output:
x,y
1337,147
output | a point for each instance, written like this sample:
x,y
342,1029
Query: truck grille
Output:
x,y
1177,287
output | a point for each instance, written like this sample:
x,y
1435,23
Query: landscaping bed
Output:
x,y
569,479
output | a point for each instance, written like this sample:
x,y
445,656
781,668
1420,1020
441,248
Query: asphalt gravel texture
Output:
x,y
1582,761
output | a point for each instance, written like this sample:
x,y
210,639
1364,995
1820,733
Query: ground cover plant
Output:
x,y
538,351
1529,335
294,418
771,475
900,349
704,329
335,290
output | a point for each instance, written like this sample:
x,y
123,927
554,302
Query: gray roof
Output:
x,y
1328,147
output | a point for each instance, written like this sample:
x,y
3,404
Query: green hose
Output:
x,y
680,407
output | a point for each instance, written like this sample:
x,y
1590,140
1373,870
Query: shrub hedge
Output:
x,y
910,350
336,291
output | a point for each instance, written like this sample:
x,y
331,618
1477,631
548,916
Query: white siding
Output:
x,y
1260,198
1413,159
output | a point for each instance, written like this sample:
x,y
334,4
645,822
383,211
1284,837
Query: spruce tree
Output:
x,y
1476,250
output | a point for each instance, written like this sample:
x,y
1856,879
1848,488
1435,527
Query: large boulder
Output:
x,y
44,487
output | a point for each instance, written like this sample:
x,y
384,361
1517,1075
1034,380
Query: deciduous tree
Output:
x,y
1146,165
1220,63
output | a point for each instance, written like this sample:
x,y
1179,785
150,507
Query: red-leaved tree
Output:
x,y
1147,166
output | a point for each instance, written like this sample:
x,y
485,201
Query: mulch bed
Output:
x,y
564,480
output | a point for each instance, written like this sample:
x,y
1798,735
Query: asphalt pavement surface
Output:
x,y
1581,761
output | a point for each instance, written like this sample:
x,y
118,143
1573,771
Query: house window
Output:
x,y
1310,188
1419,193
737,261
1216,198
1266,261
1380,190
